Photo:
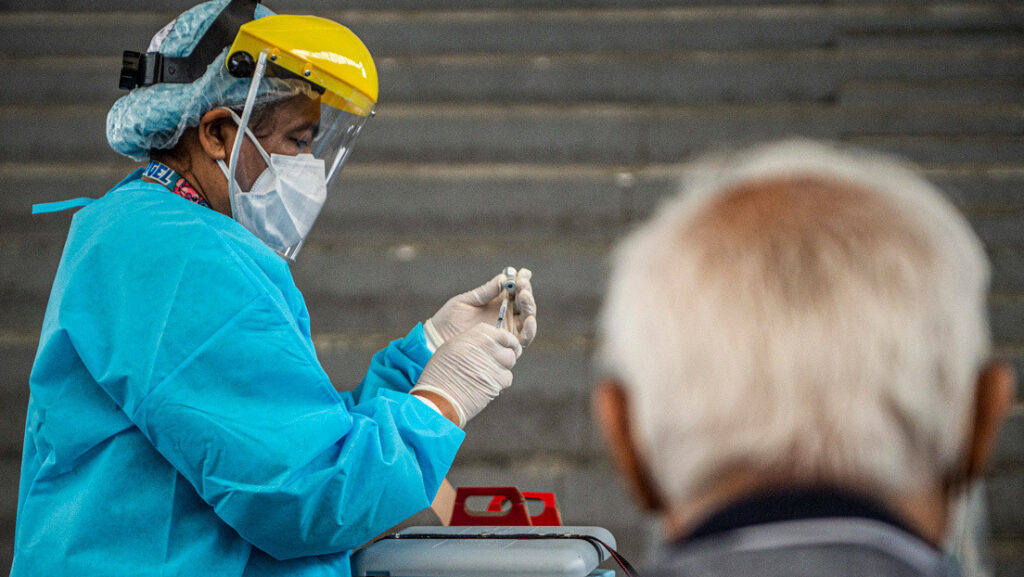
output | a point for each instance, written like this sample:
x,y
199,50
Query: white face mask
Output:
x,y
285,200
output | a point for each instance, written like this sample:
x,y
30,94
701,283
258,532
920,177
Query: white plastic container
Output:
x,y
500,555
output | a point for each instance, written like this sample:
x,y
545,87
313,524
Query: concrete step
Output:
x,y
390,224
1010,447
934,39
1007,556
350,285
614,135
565,321
348,291
810,75
10,469
692,76
354,284
1007,310
973,91
547,383
949,150
381,200
321,6
548,379
408,203
558,366
555,31
556,374
18,357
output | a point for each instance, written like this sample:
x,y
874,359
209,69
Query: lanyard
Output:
x,y
173,182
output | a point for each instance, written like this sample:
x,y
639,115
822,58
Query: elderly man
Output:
x,y
799,382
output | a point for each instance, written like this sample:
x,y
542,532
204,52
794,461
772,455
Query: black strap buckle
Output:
x,y
139,69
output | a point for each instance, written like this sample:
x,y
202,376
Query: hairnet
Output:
x,y
154,117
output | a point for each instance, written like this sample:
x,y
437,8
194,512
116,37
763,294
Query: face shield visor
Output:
x,y
313,87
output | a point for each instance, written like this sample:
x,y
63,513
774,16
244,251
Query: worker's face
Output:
x,y
286,128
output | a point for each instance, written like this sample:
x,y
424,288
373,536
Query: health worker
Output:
x,y
179,421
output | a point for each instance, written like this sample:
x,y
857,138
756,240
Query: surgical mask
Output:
x,y
284,201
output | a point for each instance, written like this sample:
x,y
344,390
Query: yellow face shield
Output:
x,y
321,51
313,85
286,53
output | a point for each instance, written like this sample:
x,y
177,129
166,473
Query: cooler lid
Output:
x,y
449,552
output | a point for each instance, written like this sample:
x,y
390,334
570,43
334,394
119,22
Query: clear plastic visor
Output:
x,y
290,116
285,115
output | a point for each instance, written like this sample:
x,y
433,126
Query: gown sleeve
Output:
x,y
204,356
396,367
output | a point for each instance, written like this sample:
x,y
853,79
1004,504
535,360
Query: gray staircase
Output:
x,y
535,133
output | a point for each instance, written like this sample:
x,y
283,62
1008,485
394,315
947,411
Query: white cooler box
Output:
x,y
461,552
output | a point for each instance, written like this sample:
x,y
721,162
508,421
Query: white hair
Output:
x,y
811,313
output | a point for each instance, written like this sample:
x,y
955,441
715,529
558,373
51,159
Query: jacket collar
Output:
x,y
788,504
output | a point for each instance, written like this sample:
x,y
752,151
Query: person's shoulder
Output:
x,y
840,546
140,225
142,215
141,205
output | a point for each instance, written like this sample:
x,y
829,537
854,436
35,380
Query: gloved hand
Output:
x,y
480,305
471,369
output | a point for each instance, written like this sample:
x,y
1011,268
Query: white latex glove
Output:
x,y
471,369
480,305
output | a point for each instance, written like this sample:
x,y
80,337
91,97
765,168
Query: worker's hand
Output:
x,y
481,305
471,369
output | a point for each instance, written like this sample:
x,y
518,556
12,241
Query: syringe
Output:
x,y
506,313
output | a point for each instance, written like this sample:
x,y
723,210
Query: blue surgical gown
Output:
x,y
180,423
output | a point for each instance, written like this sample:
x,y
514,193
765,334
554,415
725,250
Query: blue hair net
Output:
x,y
154,117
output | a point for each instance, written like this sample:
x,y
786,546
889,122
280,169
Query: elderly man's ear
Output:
x,y
611,409
996,389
